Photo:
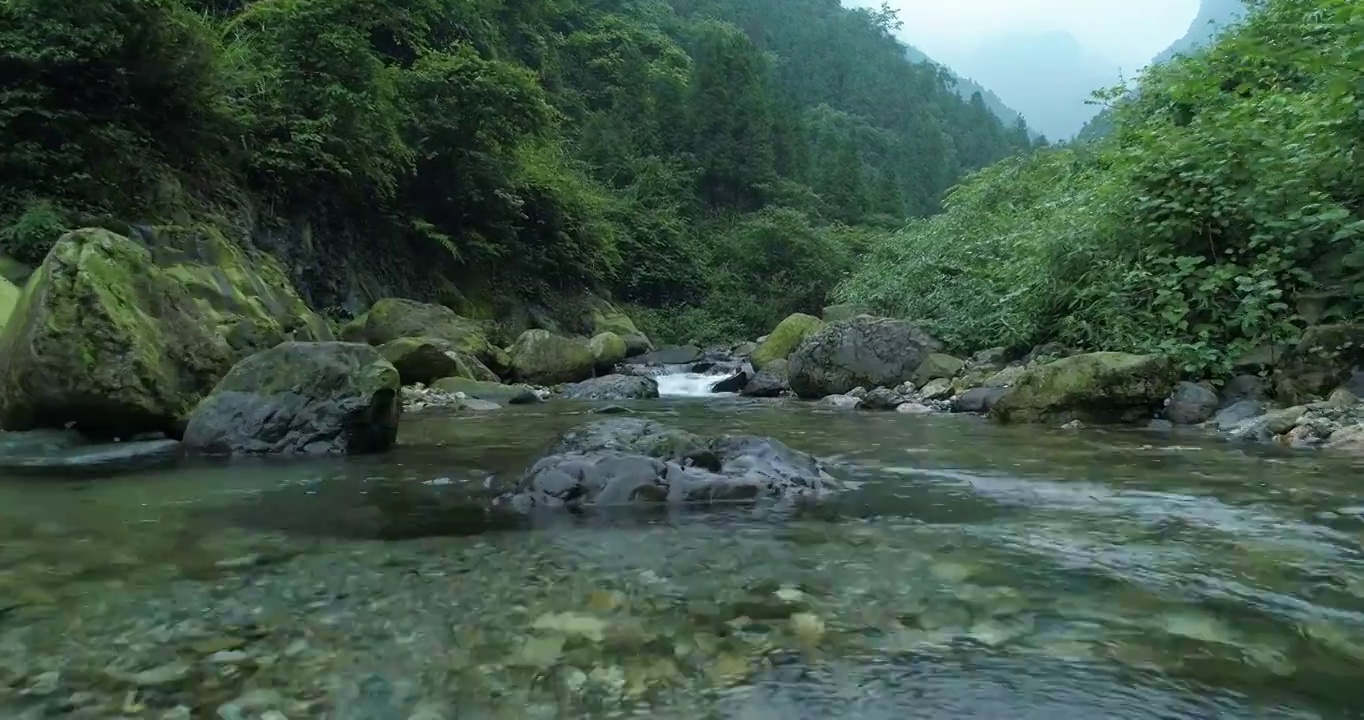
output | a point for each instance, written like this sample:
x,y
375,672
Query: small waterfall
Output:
x,y
687,384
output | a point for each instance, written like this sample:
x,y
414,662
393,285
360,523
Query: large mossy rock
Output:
x,y
1102,387
396,318
863,351
542,358
301,398
9,297
426,359
609,349
119,339
607,318
784,339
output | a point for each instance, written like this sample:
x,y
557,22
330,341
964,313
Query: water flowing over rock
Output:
x,y
301,398
624,461
120,339
1095,387
864,351
612,387
677,355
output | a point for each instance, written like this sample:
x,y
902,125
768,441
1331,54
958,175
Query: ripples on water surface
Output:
x,y
982,572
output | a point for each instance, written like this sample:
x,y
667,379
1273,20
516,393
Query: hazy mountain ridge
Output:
x,y
966,87
1213,16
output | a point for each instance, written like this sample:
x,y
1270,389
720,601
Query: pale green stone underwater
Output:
x,y
981,571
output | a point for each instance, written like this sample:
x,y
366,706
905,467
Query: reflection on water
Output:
x,y
982,571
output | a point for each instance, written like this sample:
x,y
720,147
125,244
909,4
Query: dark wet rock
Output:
x,y
996,358
1237,413
612,387
771,381
301,398
612,410
1325,357
1190,404
626,461
864,351
1244,387
842,402
977,400
66,453
676,355
744,349
882,399
704,366
1355,383
734,383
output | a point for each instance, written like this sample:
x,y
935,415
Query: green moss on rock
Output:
x,y
395,318
937,366
608,318
608,348
784,339
9,297
543,358
1095,387
490,391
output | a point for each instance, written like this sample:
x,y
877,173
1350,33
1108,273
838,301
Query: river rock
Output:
x,y
785,338
67,453
1244,387
608,350
735,382
1349,438
675,355
1322,360
490,391
607,318
301,398
623,461
937,366
939,389
540,357
1237,413
9,297
427,359
1092,388
842,402
390,319
612,387
1190,404
117,338
977,400
768,382
883,399
863,351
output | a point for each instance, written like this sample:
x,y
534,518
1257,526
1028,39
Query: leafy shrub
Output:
x,y
32,234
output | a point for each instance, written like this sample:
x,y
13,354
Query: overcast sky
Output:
x,y
1128,32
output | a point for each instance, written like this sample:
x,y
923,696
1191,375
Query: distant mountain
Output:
x,y
1046,76
967,87
1213,17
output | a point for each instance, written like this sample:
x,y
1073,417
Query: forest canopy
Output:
x,y
718,162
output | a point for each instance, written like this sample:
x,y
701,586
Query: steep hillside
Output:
x,y
716,162
966,87
1221,218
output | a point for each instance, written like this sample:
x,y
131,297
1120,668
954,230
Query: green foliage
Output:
x,y
1224,210
719,161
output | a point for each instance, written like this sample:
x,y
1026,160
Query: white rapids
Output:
x,y
687,384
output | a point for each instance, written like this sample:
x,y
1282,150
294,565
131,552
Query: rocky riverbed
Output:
x,y
977,569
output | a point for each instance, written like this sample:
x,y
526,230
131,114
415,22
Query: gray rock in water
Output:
x,y
736,382
613,387
304,398
977,400
1237,413
66,453
1244,387
863,351
1190,404
769,382
629,461
842,402
882,399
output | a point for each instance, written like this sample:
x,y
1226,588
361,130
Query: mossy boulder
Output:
x,y
301,398
864,351
395,318
543,358
784,339
1095,387
937,366
9,297
607,318
245,296
608,348
490,391
425,359
119,340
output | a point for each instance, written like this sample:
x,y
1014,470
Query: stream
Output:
x,y
981,571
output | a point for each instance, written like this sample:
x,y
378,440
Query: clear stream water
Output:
x,y
981,572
